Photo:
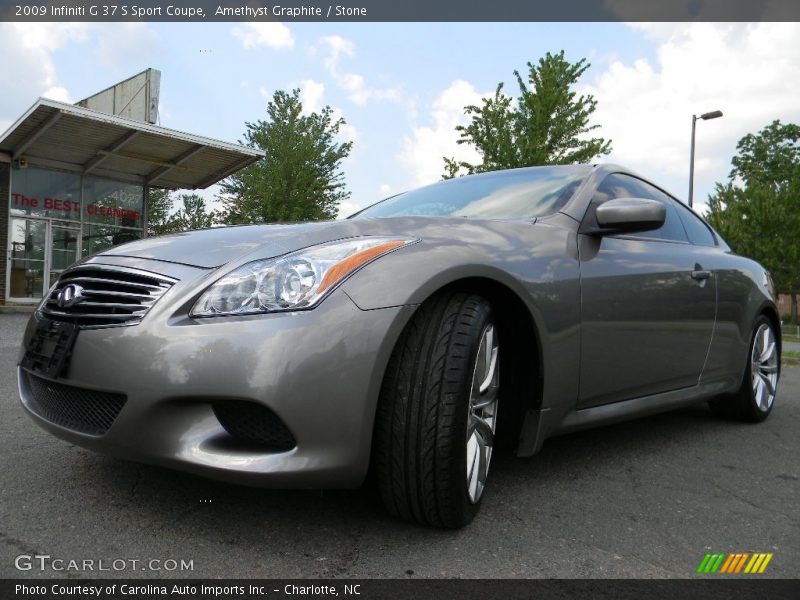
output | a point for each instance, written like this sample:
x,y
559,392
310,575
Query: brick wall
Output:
x,y
785,305
5,181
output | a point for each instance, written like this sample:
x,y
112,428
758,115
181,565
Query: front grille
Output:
x,y
85,411
102,296
254,424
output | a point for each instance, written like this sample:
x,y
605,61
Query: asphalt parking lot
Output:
x,y
642,499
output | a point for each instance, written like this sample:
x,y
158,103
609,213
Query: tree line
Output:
x,y
757,211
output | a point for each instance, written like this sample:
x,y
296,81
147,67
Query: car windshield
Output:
x,y
519,193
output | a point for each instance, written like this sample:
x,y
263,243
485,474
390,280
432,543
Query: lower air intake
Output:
x,y
254,424
84,411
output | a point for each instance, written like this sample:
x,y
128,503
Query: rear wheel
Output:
x,y
438,412
754,400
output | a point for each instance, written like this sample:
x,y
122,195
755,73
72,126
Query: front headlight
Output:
x,y
295,281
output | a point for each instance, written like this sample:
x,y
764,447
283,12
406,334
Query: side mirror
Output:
x,y
630,215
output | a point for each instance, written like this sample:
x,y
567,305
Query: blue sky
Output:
x,y
401,87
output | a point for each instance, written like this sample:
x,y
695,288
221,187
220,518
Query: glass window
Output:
x,y
46,193
100,237
112,202
618,185
78,215
28,240
522,193
64,251
696,229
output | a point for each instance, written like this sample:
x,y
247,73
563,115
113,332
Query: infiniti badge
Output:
x,y
70,295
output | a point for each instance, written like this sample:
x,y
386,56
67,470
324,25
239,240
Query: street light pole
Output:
x,y
705,116
691,163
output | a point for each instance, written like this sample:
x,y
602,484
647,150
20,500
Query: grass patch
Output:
x,y
790,358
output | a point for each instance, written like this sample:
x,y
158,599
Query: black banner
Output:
x,y
418,589
406,11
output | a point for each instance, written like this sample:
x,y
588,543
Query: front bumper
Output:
x,y
320,371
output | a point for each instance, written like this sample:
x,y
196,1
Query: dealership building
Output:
x,y
74,178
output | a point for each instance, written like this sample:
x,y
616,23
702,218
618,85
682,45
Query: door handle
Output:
x,y
700,275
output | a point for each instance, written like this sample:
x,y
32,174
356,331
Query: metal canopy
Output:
x,y
58,135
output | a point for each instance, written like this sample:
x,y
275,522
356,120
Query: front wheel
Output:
x,y
754,400
438,412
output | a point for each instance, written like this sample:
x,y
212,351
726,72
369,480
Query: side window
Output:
x,y
618,185
696,229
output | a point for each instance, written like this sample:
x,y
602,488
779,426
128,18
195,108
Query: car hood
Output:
x,y
208,248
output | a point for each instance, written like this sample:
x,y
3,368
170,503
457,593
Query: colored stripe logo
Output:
x,y
735,563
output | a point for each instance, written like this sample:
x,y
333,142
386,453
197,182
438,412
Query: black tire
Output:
x,y
421,425
743,405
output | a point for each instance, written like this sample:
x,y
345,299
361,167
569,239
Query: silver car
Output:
x,y
413,339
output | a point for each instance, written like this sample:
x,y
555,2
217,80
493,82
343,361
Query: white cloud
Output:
x,y
46,36
749,71
27,50
354,84
58,93
269,34
337,47
128,47
385,189
311,93
423,151
348,132
347,208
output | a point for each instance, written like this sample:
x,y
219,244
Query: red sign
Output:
x,y
49,203
75,206
112,211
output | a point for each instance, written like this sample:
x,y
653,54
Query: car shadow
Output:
x,y
337,533
230,507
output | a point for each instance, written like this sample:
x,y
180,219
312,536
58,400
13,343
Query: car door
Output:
x,y
647,304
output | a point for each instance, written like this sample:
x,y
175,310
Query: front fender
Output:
x,y
536,263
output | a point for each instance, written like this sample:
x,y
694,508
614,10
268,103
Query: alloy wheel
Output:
x,y
764,367
482,418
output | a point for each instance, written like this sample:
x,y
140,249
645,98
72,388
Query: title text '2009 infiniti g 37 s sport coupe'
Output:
x,y
412,339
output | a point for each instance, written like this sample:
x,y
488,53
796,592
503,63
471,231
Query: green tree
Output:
x,y
159,212
193,213
300,178
770,157
547,124
162,218
757,210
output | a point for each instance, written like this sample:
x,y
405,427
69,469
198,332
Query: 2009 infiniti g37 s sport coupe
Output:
x,y
413,338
